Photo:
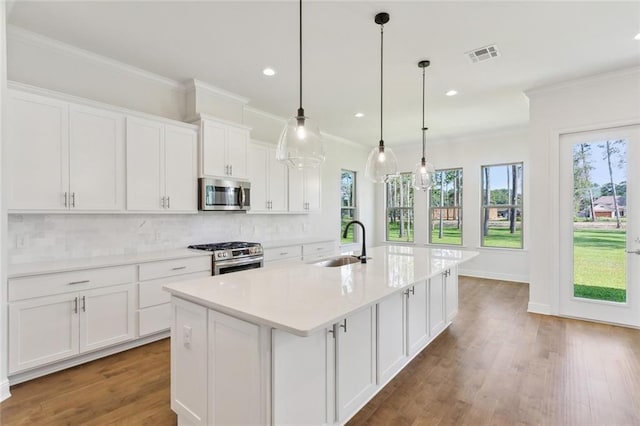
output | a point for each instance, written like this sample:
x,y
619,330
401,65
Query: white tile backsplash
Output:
x,y
48,237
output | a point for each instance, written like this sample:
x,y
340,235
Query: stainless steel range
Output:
x,y
233,256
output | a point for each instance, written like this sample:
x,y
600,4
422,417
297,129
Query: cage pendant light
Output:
x,y
382,162
300,145
424,172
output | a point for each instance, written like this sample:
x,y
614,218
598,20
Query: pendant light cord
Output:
x,y
300,48
424,129
381,79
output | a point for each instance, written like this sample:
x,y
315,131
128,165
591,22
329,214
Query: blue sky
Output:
x,y
600,173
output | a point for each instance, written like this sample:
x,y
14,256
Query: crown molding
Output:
x,y
194,84
257,111
581,81
35,39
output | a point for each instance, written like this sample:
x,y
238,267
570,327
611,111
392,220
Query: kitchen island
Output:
x,y
305,344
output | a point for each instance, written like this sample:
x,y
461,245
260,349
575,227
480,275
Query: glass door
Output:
x,y
600,225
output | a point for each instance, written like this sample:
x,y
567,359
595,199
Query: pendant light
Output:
x,y
300,144
381,162
424,172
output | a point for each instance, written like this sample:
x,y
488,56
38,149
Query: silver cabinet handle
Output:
x,y
634,251
84,304
231,169
79,282
75,305
344,325
284,253
162,202
168,202
73,199
410,291
66,199
177,268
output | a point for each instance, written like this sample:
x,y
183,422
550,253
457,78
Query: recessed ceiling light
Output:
x,y
269,72
358,114
637,37
451,93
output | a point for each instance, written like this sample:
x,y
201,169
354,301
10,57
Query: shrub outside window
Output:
x,y
399,222
348,205
446,207
501,213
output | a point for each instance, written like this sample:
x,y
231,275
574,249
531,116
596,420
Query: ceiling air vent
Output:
x,y
483,53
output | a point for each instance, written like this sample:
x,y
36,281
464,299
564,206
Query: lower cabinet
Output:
x,y
52,328
436,299
451,293
418,311
391,336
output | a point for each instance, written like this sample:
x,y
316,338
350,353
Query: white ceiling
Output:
x,y
227,44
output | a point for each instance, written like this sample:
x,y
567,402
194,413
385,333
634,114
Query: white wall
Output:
x,y
4,383
598,102
470,153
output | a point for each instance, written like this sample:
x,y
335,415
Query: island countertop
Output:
x,y
304,298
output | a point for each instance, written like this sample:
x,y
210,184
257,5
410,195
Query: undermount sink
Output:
x,y
338,261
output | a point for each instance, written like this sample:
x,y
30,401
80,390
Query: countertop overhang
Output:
x,y
305,298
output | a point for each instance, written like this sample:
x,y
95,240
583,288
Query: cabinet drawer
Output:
x,y
282,253
169,268
151,292
313,250
50,284
154,319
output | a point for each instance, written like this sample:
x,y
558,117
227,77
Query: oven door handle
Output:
x,y
241,261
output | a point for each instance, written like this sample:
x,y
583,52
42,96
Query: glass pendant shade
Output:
x,y
423,175
300,144
381,164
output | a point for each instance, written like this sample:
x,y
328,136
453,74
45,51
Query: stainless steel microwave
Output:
x,y
224,195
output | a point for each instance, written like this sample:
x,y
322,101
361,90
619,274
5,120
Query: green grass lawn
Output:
x,y
501,237
599,264
394,233
450,235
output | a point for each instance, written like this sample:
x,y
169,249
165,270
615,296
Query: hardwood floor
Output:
x,y
495,365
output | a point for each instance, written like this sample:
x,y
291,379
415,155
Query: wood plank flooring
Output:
x,y
495,365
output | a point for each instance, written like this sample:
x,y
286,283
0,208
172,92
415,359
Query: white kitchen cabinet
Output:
x,y
268,179
161,167
223,149
355,362
391,336
417,317
304,190
52,328
451,293
319,250
437,303
63,156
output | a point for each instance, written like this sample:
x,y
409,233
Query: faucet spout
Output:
x,y
363,252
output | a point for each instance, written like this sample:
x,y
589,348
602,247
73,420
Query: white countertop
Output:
x,y
296,242
303,298
38,268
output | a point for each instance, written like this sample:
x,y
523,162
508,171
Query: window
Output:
x,y
446,207
347,205
400,208
502,206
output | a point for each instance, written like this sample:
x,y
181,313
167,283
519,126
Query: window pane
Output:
x,y
446,226
447,188
347,186
347,215
400,224
400,191
502,205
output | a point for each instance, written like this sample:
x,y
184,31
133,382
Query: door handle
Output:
x,y
344,325
168,202
162,201
73,199
66,199
634,251
84,304
75,305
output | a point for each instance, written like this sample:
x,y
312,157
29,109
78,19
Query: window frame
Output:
x,y
402,209
353,208
431,208
516,206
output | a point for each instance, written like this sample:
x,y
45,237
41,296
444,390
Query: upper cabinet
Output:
x,y
161,167
62,156
305,190
223,149
268,179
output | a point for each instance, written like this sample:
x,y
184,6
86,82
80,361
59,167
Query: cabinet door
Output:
x,y
43,330
391,343
436,305
37,152
259,178
107,316
145,171
96,159
451,293
296,191
417,318
277,182
212,155
355,362
312,189
237,142
181,183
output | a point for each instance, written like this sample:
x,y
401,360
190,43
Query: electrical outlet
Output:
x,y
186,336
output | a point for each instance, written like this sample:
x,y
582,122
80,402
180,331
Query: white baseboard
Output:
x,y
4,390
493,275
539,308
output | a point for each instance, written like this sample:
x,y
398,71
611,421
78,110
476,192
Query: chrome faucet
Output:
x,y
363,252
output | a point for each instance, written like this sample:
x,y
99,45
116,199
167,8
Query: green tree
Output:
x,y
582,186
612,150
